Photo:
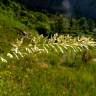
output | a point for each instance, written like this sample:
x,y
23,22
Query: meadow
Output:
x,y
53,62
59,66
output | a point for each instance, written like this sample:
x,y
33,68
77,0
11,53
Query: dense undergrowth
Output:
x,y
51,65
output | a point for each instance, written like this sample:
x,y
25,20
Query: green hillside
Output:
x,y
45,54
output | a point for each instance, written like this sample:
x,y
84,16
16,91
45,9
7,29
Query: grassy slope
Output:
x,y
10,29
7,31
32,76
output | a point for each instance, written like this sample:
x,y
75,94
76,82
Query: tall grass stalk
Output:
x,y
57,44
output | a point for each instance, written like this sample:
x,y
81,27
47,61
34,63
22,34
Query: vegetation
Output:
x,y
43,54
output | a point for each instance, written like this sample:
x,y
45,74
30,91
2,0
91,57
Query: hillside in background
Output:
x,y
74,8
47,23
45,53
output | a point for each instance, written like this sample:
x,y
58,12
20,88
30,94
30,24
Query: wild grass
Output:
x,y
34,65
65,46
29,76
59,66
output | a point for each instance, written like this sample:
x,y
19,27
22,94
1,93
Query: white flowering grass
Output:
x,y
3,60
9,55
57,43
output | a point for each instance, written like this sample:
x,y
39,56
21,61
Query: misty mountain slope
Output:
x,y
85,8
